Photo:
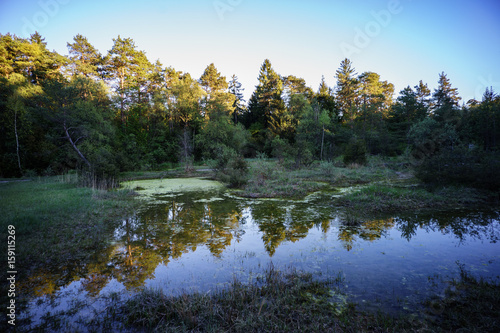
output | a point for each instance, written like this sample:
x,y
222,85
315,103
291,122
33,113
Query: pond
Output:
x,y
194,235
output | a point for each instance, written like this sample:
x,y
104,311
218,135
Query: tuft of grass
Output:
x,y
269,178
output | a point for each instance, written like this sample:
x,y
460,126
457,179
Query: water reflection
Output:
x,y
478,225
367,231
177,225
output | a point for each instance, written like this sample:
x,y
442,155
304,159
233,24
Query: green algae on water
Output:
x,y
150,187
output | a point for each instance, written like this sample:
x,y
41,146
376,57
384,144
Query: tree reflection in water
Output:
x,y
178,224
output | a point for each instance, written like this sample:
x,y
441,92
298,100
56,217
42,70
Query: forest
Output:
x,y
103,114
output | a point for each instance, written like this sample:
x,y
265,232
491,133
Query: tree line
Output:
x,y
114,112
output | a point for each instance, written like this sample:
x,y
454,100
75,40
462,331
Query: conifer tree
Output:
x,y
127,68
237,91
423,92
85,59
216,98
445,100
266,100
326,100
346,92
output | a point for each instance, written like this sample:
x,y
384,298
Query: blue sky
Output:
x,y
404,41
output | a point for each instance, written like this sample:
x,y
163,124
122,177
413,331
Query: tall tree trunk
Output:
x,y
17,141
186,148
122,97
322,142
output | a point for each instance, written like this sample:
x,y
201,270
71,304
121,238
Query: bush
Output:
x,y
461,166
236,173
229,167
281,148
355,152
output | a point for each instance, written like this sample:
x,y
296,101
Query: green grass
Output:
x,y
337,174
278,303
179,172
57,222
268,178
293,301
386,199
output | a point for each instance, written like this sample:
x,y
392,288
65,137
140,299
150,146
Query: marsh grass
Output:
x,y
177,172
57,221
270,178
469,305
352,218
384,198
288,301
295,302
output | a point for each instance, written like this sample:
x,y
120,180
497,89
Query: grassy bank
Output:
x,y
270,178
295,302
178,172
389,186
387,199
278,302
58,222
292,301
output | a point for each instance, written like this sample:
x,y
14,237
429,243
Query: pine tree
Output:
x,y
128,68
266,100
445,99
237,91
326,100
85,59
347,94
217,98
294,85
423,92
375,94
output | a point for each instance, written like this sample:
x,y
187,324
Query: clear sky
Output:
x,y
403,41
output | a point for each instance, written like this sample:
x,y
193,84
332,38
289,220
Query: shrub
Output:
x,y
237,172
355,152
461,166
229,167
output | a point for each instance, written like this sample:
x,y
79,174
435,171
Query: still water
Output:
x,y
193,235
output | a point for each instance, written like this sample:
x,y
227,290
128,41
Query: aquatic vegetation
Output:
x,y
279,301
270,179
150,187
384,198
